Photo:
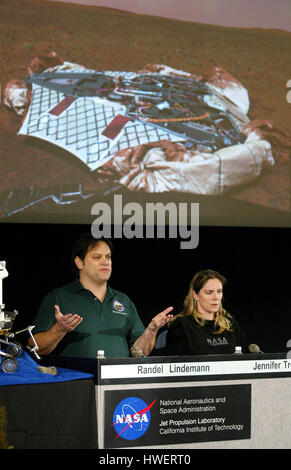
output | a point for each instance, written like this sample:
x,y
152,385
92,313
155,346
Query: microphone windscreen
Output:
x,y
254,348
137,352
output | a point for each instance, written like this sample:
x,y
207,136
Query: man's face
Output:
x,y
96,266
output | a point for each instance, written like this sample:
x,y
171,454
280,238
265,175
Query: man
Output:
x,y
88,315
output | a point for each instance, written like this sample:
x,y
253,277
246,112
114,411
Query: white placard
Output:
x,y
186,369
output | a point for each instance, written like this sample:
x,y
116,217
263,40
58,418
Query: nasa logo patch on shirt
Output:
x,y
118,307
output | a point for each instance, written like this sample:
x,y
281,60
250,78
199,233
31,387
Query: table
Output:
x,y
44,411
215,402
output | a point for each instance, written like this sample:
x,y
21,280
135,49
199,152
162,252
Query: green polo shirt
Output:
x,y
112,325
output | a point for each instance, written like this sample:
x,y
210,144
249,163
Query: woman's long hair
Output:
x,y
222,317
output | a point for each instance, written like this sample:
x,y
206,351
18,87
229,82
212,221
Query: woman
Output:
x,y
204,326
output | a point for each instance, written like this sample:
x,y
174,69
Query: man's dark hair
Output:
x,y
82,245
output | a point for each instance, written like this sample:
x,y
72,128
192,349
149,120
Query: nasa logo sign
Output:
x,y
131,418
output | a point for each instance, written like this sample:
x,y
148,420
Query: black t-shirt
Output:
x,y
186,337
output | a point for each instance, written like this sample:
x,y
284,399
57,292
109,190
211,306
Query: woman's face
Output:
x,y
209,298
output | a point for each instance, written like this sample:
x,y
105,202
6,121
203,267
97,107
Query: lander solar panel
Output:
x,y
80,127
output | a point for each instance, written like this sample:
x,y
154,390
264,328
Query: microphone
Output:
x,y
254,348
137,352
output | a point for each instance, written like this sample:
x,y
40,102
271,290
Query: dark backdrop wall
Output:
x,y
156,273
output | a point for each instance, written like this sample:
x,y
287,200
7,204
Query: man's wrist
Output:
x,y
151,328
57,330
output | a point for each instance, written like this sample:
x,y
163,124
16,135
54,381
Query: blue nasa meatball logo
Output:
x,y
131,418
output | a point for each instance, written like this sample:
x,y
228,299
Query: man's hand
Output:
x,y
161,319
48,340
66,322
146,342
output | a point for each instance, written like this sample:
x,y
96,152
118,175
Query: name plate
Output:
x,y
174,370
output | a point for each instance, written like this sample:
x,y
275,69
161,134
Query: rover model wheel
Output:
x,y
9,365
14,349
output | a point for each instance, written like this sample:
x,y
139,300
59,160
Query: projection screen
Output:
x,y
120,106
